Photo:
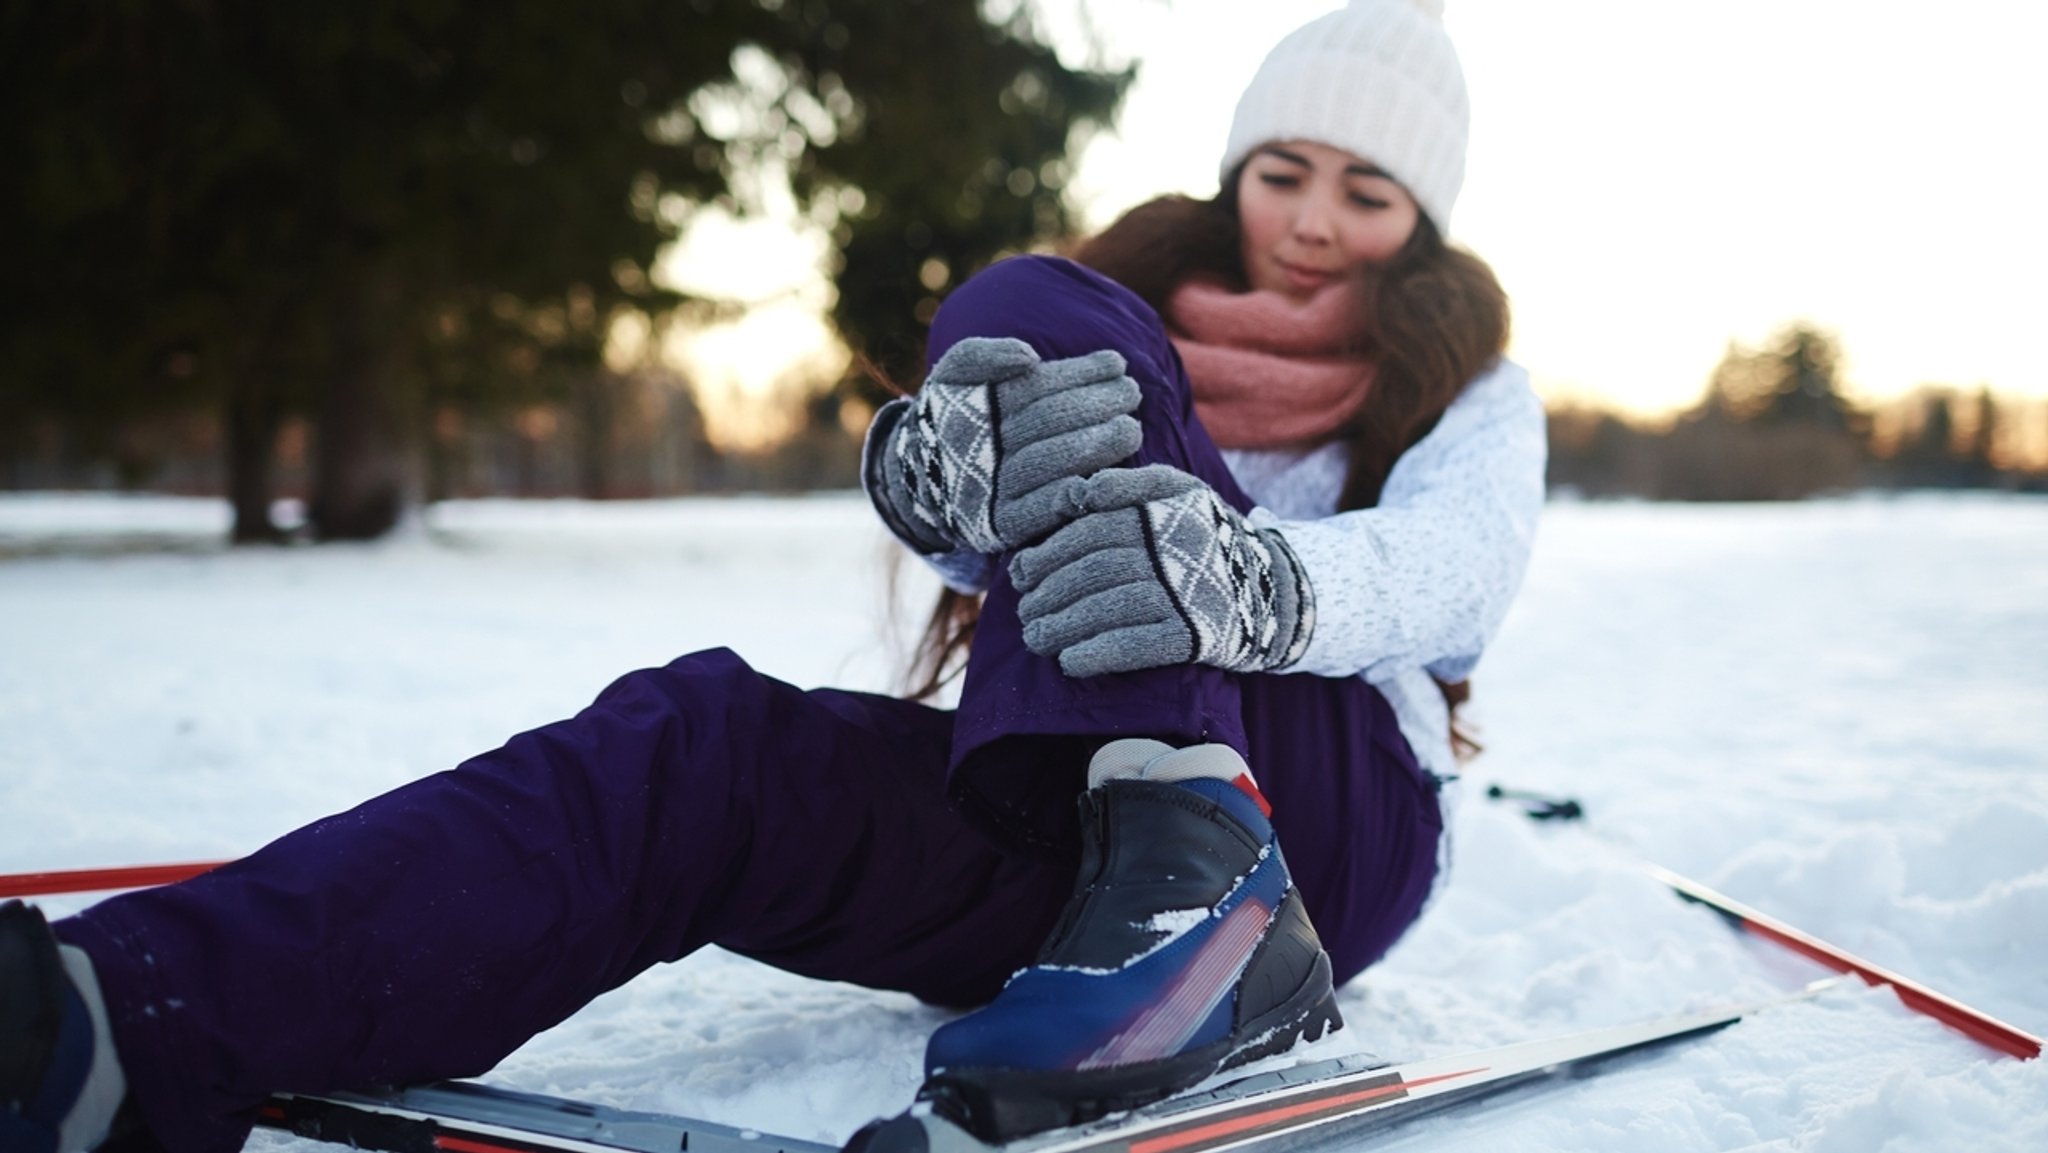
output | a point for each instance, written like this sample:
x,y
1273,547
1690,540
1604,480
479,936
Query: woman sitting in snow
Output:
x,y
1226,561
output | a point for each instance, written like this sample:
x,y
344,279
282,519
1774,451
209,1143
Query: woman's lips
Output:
x,y
1305,278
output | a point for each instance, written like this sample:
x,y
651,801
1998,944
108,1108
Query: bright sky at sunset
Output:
x,y
1652,180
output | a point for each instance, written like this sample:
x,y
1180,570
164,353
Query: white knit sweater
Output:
x,y
1414,587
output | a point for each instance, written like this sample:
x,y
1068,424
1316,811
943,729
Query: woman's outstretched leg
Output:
x,y
429,932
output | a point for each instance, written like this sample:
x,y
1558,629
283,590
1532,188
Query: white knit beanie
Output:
x,y
1378,79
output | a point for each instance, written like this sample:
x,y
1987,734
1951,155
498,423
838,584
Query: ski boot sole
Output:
x,y
999,1104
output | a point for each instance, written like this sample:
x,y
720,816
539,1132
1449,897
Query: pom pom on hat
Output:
x,y
1379,79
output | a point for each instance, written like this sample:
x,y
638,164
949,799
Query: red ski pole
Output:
x,y
1973,1023
94,880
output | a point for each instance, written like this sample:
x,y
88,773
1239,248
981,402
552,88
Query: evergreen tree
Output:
x,y
1773,425
1802,367
1982,453
365,212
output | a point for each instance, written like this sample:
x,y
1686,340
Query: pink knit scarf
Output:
x,y
1268,372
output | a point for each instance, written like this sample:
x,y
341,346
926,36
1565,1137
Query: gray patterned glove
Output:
x,y
987,455
1159,571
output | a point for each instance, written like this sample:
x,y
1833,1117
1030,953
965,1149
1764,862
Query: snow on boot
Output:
x,y
59,1083
1184,950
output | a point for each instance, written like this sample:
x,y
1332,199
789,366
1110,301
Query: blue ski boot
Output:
x,y
1184,950
59,1083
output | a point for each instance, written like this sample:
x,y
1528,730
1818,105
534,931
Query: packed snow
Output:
x,y
1833,711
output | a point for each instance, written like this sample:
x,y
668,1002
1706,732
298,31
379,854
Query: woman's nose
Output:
x,y
1312,223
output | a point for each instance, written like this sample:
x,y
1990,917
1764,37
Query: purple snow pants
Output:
x,y
431,931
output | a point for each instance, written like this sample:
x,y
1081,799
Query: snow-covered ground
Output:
x,y
1834,711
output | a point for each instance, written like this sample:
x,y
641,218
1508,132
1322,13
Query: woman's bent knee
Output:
x,y
1060,309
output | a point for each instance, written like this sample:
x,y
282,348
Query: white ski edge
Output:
x,y
1236,1120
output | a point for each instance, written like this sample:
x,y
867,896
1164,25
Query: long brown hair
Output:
x,y
1436,317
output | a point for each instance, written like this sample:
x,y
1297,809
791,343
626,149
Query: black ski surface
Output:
x,y
1343,1097
465,1117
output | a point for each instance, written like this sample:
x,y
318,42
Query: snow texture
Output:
x,y
1176,922
1833,711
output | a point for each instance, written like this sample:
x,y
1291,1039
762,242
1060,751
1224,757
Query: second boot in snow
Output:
x,y
1184,950
59,1082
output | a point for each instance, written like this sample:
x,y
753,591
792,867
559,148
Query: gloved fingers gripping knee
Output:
x,y
1072,455
1108,611
1028,420
1071,584
979,360
1233,596
1042,485
1032,515
1081,537
1023,379
1066,374
1128,488
992,403
1128,650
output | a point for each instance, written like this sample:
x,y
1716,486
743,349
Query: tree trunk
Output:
x,y
358,461
252,418
252,415
594,468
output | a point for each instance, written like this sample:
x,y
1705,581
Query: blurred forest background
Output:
x,y
363,256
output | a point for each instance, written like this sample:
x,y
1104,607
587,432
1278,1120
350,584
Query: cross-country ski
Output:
x,y
1333,1099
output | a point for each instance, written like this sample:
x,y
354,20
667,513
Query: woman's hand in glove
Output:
x,y
1158,570
987,455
